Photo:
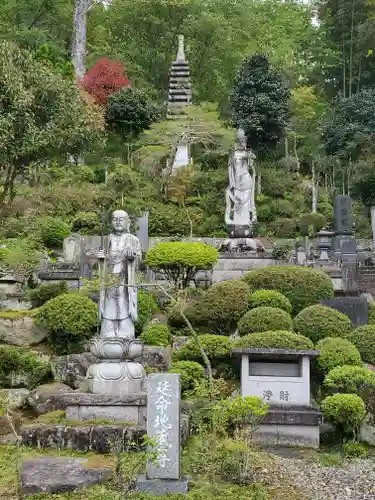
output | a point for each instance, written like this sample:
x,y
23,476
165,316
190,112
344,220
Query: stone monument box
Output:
x,y
282,378
279,376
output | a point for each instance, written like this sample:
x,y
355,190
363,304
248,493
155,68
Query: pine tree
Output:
x,y
259,103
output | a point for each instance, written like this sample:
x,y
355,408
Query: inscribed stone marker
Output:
x,y
343,215
163,424
356,308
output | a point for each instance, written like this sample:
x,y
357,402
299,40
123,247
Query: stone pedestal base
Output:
x,y
161,487
290,426
121,408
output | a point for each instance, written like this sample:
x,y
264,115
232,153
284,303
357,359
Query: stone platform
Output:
x,y
117,407
290,426
96,438
161,487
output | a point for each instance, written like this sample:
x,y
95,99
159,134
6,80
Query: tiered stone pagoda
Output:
x,y
179,97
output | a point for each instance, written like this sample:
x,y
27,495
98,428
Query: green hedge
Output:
x,y
43,293
269,298
217,348
221,306
303,286
262,319
344,410
350,379
70,320
53,231
157,335
277,339
191,374
318,322
147,306
337,352
363,338
22,368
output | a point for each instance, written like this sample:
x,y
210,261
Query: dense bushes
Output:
x,y
19,368
147,306
217,348
70,319
301,285
350,379
269,298
221,306
180,261
191,374
157,334
46,292
363,338
274,340
345,411
262,319
318,322
53,231
336,352
86,223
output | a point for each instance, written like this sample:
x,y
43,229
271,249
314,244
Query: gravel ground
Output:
x,y
354,480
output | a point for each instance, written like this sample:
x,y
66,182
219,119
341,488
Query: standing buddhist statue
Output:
x,y
116,345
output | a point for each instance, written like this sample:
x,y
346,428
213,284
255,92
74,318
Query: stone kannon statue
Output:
x,y
240,210
116,345
240,213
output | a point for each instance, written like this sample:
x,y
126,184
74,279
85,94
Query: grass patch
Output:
x,y
58,418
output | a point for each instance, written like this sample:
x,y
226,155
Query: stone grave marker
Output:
x,y
163,427
356,308
343,215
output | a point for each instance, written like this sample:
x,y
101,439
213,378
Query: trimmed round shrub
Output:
x,y
277,339
371,313
346,411
262,319
46,292
269,298
192,373
318,322
22,368
157,334
180,261
350,379
70,320
147,306
221,306
303,286
355,450
337,352
216,347
363,338
53,231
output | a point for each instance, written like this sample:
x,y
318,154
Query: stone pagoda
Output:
x,y
179,97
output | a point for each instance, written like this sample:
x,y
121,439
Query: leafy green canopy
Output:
x,y
259,102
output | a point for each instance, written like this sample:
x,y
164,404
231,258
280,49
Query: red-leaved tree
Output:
x,y
105,78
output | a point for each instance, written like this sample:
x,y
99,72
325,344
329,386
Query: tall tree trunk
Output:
x,y
343,67
259,184
314,190
351,51
286,150
79,37
296,153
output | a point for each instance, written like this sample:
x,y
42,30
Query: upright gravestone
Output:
x,y
343,226
163,427
356,308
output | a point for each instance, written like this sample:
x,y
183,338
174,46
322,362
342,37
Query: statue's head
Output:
x,y
241,138
120,221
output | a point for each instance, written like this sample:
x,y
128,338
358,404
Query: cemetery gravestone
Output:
x,y
163,427
356,308
343,216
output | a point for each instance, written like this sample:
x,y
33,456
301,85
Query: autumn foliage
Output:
x,y
105,78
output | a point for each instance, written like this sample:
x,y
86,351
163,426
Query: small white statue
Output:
x,y
118,302
240,194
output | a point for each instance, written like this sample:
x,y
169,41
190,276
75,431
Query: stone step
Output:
x,y
96,438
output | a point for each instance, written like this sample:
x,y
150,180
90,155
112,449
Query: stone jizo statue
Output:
x,y
120,260
116,346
